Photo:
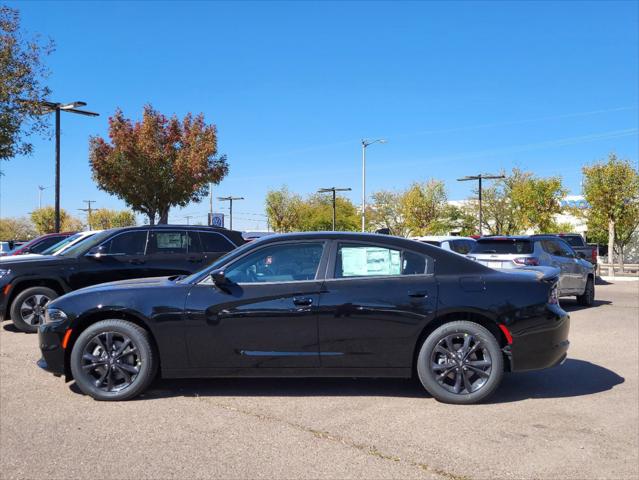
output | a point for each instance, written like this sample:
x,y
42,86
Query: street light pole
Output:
x,y
333,190
479,179
41,188
48,107
230,200
366,143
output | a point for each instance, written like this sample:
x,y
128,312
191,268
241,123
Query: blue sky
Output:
x,y
457,88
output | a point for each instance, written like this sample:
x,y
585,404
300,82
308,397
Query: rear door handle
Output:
x,y
417,293
303,301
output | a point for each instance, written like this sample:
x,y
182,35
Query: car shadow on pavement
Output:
x,y
572,379
572,305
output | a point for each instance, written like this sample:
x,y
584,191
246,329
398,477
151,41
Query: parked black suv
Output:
x,y
28,284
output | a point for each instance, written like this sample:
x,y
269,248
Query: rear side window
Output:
x,y
168,242
371,261
129,243
505,246
215,242
573,240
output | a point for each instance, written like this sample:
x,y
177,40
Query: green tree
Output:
x,y
611,188
16,229
283,210
386,212
157,163
43,220
22,74
103,218
423,208
317,214
536,200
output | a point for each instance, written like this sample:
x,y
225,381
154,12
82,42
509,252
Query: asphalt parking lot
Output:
x,y
579,420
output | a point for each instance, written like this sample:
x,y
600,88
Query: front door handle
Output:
x,y
303,301
417,293
136,261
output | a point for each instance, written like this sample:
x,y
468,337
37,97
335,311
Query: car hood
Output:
x,y
29,261
133,283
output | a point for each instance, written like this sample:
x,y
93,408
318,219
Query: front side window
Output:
x,y
278,263
129,243
372,261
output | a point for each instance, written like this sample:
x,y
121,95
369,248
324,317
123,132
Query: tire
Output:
x,y
32,300
113,377
439,372
588,297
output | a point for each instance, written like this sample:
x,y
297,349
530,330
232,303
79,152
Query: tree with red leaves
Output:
x,y
157,163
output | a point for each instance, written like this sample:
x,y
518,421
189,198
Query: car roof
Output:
x,y
440,238
518,237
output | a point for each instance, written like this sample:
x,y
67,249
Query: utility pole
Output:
x,y
365,144
333,189
230,200
188,219
48,107
479,178
88,210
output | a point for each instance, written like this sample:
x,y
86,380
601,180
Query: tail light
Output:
x,y
532,261
594,256
553,299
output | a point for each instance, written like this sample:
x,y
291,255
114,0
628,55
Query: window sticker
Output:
x,y
170,240
370,261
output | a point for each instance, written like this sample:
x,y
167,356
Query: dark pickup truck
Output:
x,y
579,245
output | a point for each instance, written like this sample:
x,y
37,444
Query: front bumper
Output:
x,y
53,355
540,342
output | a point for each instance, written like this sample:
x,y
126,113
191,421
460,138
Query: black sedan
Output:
x,y
310,305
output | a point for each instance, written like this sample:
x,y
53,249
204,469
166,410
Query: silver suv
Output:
x,y
576,275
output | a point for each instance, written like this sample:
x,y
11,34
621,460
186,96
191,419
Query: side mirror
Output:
x,y
220,280
96,252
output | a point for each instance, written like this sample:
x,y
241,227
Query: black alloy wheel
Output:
x,y
460,362
113,360
29,307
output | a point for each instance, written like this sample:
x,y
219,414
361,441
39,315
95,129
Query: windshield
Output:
x,y
86,245
506,245
58,246
218,263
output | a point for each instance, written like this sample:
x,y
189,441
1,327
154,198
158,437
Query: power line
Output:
x,y
88,210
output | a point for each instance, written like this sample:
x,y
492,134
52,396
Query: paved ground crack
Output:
x,y
362,447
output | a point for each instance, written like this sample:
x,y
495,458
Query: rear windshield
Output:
x,y
573,240
433,242
503,246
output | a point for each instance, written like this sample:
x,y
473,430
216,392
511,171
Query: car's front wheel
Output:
x,y
588,297
29,307
113,360
460,362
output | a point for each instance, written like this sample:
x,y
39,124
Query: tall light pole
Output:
x,y
365,144
41,188
479,178
48,107
230,200
333,189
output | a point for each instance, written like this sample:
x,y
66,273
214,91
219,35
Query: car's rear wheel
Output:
x,y
29,307
588,297
113,360
460,362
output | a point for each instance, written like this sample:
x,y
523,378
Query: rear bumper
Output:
x,y
541,342
50,340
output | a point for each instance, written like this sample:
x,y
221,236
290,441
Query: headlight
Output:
x,y
54,315
4,272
